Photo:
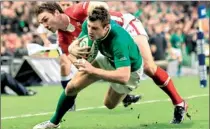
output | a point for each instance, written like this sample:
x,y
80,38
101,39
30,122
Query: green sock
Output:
x,y
64,104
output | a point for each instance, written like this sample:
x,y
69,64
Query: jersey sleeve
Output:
x,y
80,10
117,17
84,29
121,54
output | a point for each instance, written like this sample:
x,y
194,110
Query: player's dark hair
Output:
x,y
101,14
48,7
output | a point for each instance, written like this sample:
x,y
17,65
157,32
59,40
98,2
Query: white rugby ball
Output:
x,y
93,47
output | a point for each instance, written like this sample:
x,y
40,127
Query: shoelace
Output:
x,y
43,123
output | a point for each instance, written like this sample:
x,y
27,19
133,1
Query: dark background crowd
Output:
x,y
162,20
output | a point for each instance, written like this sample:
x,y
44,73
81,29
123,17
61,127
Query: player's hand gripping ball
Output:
x,y
86,42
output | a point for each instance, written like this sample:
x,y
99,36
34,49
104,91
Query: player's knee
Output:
x,y
109,105
150,68
71,90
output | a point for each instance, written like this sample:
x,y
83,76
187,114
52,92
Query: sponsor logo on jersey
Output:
x,y
123,58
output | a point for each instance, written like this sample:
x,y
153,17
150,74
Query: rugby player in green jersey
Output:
x,y
119,62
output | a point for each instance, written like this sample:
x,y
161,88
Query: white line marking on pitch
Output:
x,y
90,108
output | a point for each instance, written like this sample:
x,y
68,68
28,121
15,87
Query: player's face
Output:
x,y
96,30
49,20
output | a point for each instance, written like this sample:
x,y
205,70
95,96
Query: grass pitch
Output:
x,y
154,111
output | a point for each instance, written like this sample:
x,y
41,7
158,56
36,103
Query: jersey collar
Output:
x,y
70,27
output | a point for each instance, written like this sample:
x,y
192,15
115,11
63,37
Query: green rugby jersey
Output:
x,y
118,46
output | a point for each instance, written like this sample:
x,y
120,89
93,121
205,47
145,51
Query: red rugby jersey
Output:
x,y
77,14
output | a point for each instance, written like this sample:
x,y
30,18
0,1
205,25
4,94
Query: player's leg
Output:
x,y
67,99
102,62
64,104
68,70
159,76
112,98
176,54
78,82
117,92
179,58
179,71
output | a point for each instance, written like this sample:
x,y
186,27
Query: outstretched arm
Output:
x,y
119,75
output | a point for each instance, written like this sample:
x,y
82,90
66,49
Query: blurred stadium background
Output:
x,y
165,22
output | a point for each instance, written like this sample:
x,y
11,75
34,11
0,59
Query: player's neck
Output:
x,y
107,33
66,21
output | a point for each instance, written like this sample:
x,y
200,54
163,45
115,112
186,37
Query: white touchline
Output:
x,y
90,108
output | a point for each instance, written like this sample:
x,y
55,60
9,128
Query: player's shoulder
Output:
x,y
69,10
117,29
115,26
120,34
78,11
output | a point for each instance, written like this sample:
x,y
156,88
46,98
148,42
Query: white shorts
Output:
x,y
133,25
119,88
103,62
177,52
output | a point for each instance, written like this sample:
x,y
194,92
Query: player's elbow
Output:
x,y
124,75
124,79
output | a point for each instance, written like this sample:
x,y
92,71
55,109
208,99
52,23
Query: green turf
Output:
x,y
140,116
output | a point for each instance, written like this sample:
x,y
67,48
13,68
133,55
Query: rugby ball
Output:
x,y
86,41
